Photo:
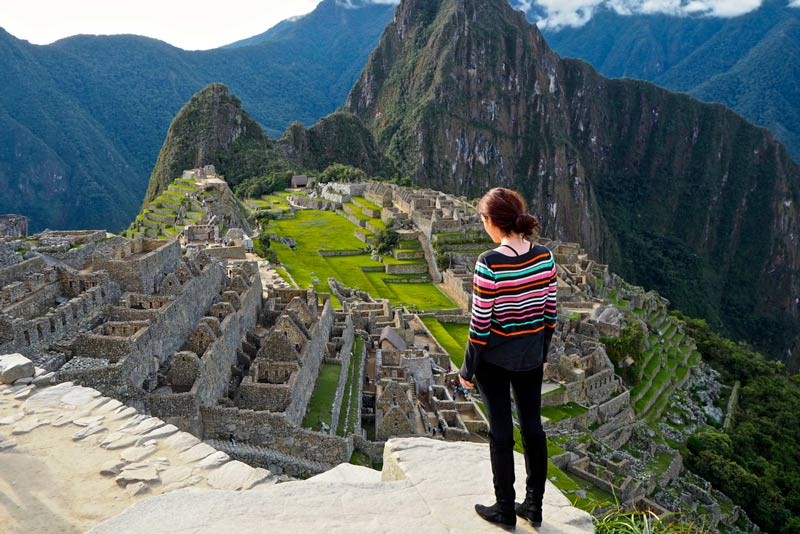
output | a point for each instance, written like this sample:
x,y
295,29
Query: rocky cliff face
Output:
x,y
680,196
339,137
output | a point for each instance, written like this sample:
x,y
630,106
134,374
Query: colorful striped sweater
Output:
x,y
513,310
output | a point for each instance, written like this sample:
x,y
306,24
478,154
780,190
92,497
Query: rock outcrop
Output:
x,y
426,486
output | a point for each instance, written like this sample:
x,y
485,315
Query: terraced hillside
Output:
x,y
668,358
180,204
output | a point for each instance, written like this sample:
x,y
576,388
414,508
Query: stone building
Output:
x,y
13,226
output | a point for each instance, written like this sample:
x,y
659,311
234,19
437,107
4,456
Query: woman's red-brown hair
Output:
x,y
507,210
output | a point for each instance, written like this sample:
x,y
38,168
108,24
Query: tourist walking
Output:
x,y
512,324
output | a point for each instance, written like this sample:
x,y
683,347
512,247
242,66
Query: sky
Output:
x,y
187,24
204,24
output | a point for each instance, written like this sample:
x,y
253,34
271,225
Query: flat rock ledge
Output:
x,y
78,458
426,486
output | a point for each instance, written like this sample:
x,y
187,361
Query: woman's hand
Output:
x,y
466,383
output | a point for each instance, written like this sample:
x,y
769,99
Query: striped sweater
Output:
x,y
513,310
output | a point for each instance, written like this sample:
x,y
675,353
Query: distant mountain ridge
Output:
x,y
684,197
82,119
750,63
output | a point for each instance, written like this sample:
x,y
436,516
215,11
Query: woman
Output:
x,y
513,320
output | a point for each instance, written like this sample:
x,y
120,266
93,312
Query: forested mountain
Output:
x,y
82,119
681,196
750,63
212,128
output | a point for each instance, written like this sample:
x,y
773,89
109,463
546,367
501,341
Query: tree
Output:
x,y
342,173
386,240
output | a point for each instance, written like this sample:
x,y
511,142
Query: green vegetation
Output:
x,y
451,336
321,403
320,230
342,173
347,425
258,186
617,521
360,458
386,240
755,462
732,61
630,343
565,411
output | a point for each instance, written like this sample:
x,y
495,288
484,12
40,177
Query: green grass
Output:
x,y
361,459
357,213
410,244
451,336
366,203
553,391
350,397
319,408
565,411
377,223
314,230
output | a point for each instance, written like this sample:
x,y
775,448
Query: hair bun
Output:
x,y
526,223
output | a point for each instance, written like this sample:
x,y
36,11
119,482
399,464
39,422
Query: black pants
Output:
x,y
495,384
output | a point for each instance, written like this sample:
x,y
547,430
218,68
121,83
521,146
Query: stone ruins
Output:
x,y
196,338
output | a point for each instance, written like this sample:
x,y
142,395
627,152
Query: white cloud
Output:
x,y
525,5
794,3
558,13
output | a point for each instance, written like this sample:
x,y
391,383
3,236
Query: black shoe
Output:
x,y
493,514
530,510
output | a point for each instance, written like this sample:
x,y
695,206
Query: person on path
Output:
x,y
511,327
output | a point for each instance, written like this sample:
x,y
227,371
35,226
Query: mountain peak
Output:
x,y
466,95
209,127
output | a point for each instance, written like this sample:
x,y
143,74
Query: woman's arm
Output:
x,y
484,289
550,308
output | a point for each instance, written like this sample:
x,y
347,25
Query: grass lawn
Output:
x,y
410,244
315,230
366,203
319,408
451,336
350,397
558,413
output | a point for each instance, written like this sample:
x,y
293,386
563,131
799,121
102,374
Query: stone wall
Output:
x,y
311,357
31,337
13,225
164,337
17,271
276,432
8,254
227,253
142,267
406,268
459,285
